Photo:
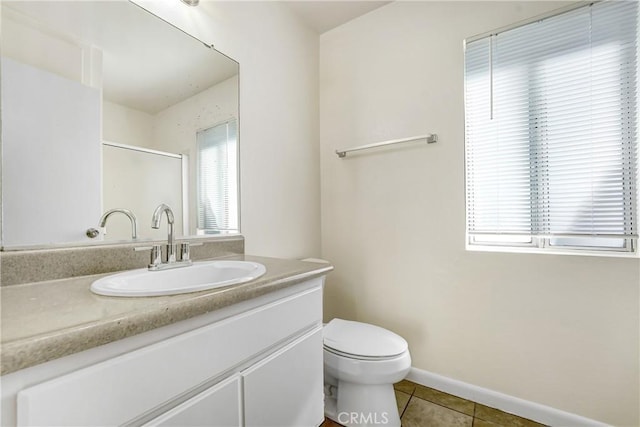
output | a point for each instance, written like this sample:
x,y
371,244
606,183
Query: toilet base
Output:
x,y
362,405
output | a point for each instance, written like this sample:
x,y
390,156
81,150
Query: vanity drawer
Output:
x,y
218,406
120,389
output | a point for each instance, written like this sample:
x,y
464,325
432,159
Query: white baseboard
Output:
x,y
513,405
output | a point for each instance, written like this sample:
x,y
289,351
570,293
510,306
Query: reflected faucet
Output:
x,y
155,223
128,213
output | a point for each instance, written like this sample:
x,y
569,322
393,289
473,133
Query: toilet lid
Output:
x,y
362,339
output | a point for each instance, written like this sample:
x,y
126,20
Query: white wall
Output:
x,y
126,125
562,331
33,44
279,157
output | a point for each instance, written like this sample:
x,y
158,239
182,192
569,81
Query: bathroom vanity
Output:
x,y
245,355
242,355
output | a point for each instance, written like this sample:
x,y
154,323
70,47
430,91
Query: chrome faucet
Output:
x,y
156,251
128,213
155,223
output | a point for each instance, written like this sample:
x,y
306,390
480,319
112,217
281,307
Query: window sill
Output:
x,y
551,251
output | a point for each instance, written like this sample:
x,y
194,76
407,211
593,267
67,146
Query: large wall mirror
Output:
x,y
106,106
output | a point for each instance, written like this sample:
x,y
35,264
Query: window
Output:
x,y
550,132
217,179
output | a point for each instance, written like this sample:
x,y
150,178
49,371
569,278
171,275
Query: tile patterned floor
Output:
x,y
421,406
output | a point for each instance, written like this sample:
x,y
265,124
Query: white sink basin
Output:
x,y
198,277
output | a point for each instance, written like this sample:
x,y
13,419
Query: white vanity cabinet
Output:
x,y
261,366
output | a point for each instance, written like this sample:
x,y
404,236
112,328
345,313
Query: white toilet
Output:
x,y
361,364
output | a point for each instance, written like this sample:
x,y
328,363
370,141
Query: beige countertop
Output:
x,y
47,320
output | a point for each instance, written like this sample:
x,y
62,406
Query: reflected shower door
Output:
x,y
139,179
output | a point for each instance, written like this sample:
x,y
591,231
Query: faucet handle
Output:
x,y
156,255
171,253
185,251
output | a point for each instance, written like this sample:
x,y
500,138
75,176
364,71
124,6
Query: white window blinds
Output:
x,y
551,118
217,185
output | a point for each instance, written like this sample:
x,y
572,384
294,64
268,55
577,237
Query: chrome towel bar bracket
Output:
x,y
430,138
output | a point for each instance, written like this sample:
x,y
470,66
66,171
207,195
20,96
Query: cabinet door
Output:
x,y
216,406
286,388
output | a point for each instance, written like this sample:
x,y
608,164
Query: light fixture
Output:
x,y
191,2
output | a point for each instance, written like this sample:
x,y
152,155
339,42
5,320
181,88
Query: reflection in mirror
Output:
x,y
106,106
217,184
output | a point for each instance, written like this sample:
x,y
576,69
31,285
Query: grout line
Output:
x,y
406,406
410,397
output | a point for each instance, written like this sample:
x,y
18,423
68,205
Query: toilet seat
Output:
x,y
357,356
362,341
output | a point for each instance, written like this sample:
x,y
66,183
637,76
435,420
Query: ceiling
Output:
x,y
147,65
323,16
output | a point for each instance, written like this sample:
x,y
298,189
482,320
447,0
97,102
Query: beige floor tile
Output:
x,y
444,399
402,399
477,422
405,386
502,418
420,413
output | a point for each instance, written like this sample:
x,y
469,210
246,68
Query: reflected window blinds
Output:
x,y
217,179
